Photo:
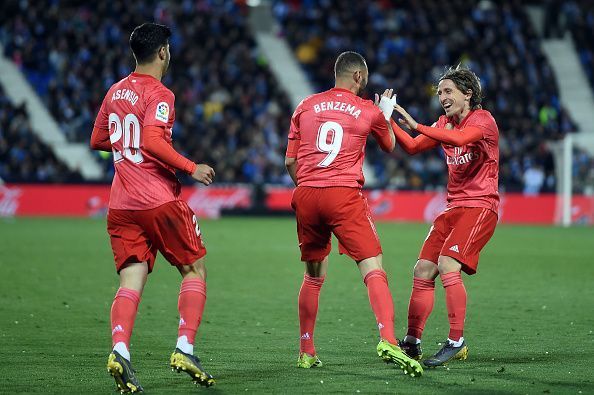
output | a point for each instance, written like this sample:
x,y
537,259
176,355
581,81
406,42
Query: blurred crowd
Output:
x,y
23,157
409,43
231,112
580,20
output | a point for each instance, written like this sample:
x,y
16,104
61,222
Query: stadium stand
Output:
x,y
229,109
407,45
23,157
579,18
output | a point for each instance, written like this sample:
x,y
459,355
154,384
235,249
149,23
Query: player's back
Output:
x,y
141,181
332,127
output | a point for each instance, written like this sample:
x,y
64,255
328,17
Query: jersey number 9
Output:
x,y
333,147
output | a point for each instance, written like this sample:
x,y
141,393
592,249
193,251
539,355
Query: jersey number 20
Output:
x,y
129,128
333,147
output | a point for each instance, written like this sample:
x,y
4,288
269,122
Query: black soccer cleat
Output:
x,y
182,362
123,374
447,353
413,351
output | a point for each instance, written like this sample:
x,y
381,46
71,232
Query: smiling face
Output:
x,y
454,102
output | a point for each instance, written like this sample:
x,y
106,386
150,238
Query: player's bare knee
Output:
x,y
370,264
316,268
425,269
195,270
447,264
134,275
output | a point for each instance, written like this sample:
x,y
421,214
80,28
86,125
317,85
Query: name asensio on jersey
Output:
x,y
125,94
337,106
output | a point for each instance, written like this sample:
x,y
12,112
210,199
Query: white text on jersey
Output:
x,y
462,159
337,106
125,94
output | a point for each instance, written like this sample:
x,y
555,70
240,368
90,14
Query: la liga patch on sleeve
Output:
x,y
162,113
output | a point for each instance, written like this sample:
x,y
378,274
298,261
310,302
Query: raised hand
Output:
x,y
386,102
204,174
406,119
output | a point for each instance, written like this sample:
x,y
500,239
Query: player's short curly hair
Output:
x,y
147,39
347,62
465,80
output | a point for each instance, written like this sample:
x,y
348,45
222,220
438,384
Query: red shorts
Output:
x,y
460,233
137,235
339,210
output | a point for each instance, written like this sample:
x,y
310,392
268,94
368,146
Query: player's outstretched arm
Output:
x,y
100,140
412,145
448,135
381,128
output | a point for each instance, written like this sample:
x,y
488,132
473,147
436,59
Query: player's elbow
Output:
x,y
290,162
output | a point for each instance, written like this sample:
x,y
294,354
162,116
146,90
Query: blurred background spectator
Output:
x,y
23,157
232,113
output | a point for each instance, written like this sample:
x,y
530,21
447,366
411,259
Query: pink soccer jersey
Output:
x,y
473,169
332,129
141,181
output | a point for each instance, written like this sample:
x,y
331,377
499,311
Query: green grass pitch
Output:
x,y
529,327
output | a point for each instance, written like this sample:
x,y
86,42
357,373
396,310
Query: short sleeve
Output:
x,y
294,132
102,120
160,109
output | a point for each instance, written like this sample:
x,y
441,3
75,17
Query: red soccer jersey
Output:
x,y
332,129
141,181
473,169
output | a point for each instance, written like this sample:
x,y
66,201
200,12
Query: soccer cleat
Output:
x,y
446,354
123,374
306,361
391,353
180,361
414,351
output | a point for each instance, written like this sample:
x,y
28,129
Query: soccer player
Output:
x,y
146,214
324,158
470,139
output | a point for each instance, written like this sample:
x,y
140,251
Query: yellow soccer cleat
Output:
x,y
391,353
306,361
123,374
182,362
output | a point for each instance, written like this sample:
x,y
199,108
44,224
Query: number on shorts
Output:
x,y
195,222
129,128
333,147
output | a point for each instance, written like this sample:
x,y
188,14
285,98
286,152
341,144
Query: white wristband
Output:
x,y
387,106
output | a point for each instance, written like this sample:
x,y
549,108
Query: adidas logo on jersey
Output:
x,y
117,328
305,336
455,248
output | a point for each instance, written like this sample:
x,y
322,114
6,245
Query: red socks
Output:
x,y
308,310
192,298
123,314
420,306
455,302
382,304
